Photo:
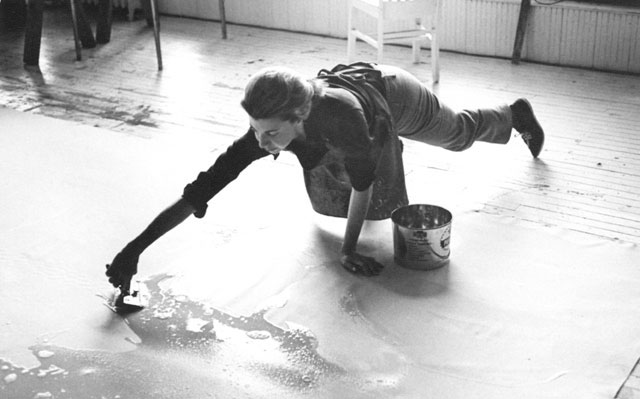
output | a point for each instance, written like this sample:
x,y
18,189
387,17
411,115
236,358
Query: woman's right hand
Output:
x,y
125,264
123,267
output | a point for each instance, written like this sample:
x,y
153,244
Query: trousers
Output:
x,y
419,115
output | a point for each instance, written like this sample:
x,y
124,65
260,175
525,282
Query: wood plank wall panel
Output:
x,y
591,37
475,27
490,27
634,57
318,17
615,37
565,34
578,37
207,9
540,42
179,8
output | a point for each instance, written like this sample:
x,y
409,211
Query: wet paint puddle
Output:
x,y
185,349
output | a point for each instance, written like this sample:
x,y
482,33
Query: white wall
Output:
x,y
567,33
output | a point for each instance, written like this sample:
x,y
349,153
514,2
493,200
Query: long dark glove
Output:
x,y
122,269
360,264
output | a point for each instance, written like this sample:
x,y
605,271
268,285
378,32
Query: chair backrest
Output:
x,y
401,9
409,10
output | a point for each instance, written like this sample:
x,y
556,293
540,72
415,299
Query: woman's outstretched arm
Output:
x,y
194,200
125,264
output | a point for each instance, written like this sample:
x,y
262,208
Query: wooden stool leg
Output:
x,y
13,15
223,18
156,32
105,18
33,32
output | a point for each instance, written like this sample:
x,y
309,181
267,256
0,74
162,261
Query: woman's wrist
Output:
x,y
347,249
134,248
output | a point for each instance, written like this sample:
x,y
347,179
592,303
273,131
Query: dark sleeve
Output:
x,y
359,158
226,168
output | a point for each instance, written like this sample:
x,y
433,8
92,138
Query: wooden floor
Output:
x,y
587,178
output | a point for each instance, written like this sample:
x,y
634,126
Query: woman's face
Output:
x,y
274,134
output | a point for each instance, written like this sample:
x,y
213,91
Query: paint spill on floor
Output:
x,y
203,351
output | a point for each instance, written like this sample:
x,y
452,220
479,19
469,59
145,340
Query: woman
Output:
x,y
343,126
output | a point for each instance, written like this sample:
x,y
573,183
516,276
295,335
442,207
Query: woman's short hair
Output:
x,y
281,93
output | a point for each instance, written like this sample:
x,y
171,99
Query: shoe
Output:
x,y
525,122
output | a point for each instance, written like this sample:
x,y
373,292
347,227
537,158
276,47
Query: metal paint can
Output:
x,y
421,236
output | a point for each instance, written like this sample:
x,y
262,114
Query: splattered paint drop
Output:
x,y
258,334
44,354
87,370
181,298
163,314
196,325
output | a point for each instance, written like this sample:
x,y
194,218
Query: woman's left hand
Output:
x,y
360,264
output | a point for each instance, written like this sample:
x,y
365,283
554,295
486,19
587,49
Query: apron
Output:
x,y
328,184
329,188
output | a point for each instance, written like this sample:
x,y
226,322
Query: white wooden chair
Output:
x,y
395,21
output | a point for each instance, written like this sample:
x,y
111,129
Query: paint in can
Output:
x,y
421,236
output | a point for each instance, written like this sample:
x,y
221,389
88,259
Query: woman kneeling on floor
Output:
x,y
344,126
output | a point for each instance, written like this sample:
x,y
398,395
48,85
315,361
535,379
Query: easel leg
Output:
x,y
520,31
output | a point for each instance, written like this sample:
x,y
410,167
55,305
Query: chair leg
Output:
x,y
85,33
415,47
76,35
435,59
223,18
380,37
435,45
156,32
351,37
351,46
